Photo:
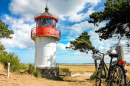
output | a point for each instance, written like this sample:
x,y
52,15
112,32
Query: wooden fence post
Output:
x,y
120,52
8,68
34,67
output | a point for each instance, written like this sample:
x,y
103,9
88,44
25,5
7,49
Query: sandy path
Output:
x,y
29,80
84,74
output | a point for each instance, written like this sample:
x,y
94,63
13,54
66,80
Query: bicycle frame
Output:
x,y
104,68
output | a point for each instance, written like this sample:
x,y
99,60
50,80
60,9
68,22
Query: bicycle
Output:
x,y
115,75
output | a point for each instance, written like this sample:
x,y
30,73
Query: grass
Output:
x,y
128,71
79,68
64,71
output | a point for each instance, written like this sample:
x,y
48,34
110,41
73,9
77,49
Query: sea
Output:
x,y
77,63
82,63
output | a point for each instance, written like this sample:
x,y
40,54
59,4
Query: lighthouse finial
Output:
x,y
46,8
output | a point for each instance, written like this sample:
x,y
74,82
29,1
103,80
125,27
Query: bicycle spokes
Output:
x,y
117,77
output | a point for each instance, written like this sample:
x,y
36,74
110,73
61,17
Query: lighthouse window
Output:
x,y
45,22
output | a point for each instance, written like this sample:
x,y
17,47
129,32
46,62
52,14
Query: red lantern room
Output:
x,y
45,25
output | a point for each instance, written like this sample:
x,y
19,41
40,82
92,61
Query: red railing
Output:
x,y
33,31
58,33
47,31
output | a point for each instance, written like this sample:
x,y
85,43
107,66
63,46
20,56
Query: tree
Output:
x,y
117,14
2,48
82,43
4,31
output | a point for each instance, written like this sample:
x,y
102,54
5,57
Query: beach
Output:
x,y
80,76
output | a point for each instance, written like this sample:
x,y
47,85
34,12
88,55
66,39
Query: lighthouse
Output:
x,y
45,36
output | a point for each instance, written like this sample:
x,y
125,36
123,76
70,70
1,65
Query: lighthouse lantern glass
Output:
x,y
45,22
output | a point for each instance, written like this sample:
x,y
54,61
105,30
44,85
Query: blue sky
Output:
x,y
73,20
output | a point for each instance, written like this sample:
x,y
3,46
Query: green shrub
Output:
x,y
93,76
31,69
128,65
6,57
15,64
37,73
64,71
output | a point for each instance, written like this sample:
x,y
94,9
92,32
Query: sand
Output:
x,y
16,79
80,77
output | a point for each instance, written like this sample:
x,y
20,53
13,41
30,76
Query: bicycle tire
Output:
x,y
98,77
117,77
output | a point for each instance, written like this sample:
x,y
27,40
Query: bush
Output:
x,y
15,64
37,73
93,76
128,65
64,71
31,69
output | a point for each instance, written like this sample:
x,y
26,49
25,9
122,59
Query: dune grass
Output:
x,y
79,68
128,71
87,68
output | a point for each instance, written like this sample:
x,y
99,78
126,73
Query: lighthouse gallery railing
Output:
x,y
56,34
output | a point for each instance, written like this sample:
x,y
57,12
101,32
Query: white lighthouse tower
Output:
x,y
45,35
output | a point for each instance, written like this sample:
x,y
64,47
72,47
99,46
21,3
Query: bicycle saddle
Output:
x,y
113,55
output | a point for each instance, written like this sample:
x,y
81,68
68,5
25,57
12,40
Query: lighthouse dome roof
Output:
x,y
46,14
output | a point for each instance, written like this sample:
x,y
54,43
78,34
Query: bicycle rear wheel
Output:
x,y
117,77
98,77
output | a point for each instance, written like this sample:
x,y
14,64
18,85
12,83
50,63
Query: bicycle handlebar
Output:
x,y
109,51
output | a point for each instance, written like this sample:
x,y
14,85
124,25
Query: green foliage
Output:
x,y
37,73
117,13
64,71
4,32
5,57
31,69
128,65
82,43
93,76
2,48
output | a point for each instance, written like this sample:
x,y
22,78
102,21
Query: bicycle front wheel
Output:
x,y
117,77
98,77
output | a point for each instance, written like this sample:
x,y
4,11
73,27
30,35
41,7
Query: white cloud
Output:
x,y
79,53
22,33
103,45
62,8
81,16
80,27
72,9
61,46
100,9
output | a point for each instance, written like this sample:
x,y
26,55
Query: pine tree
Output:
x,y
82,43
4,31
117,14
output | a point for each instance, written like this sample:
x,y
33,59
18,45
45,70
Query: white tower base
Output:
x,y
45,51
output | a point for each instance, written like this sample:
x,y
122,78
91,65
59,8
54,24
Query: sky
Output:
x,y
73,20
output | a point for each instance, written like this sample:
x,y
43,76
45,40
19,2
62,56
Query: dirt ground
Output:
x,y
16,79
80,77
